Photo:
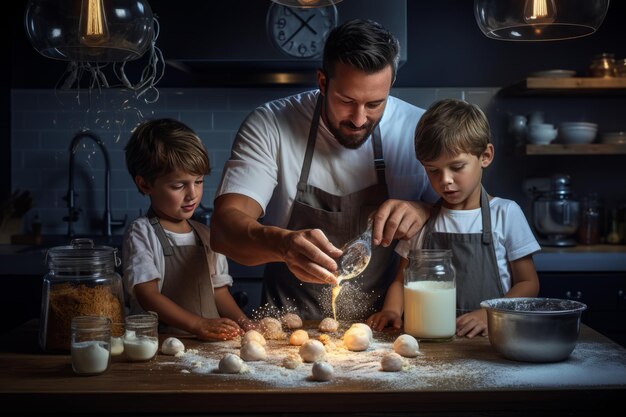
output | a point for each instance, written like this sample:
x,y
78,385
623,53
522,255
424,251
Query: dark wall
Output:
x,y
445,49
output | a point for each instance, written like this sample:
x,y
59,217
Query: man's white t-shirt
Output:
x,y
512,236
269,149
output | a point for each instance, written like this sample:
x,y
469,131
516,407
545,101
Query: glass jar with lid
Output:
x,y
430,295
603,65
81,281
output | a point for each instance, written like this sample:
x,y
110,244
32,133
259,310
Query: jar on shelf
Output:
x,y
81,281
141,336
620,67
90,344
430,295
603,65
589,228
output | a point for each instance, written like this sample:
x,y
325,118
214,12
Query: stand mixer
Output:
x,y
556,214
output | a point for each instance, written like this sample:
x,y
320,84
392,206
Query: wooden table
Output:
x,y
590,382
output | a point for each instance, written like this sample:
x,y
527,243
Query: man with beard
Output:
x,y
315,166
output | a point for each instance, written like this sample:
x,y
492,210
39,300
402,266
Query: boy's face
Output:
x,y
174,197
354,102
456,178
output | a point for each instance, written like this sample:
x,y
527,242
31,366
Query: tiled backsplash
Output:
x,y
45,121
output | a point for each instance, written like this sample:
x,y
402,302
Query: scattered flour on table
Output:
x,y
587,365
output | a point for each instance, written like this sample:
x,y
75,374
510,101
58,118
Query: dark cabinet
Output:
x,y
604,293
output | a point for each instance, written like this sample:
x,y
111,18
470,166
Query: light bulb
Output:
x,y
93,23
539,12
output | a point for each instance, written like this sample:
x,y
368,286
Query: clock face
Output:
x,y
298,32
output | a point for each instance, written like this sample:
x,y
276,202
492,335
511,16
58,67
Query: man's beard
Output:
x,y
352,141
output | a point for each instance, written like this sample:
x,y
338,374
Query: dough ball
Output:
x,y
312,350
392,362
172,346
406,345
322,371
298,337
328,325
292,361
272,328
356,339
231,364
366,328
253,335
291,321
253,351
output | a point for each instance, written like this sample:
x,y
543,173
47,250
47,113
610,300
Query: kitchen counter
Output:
x,y
29,259
464,376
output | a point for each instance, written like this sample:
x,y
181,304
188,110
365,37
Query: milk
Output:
x,y
430,309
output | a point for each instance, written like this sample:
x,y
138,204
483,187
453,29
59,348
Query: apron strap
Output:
x,y
310,146
486,215
160,233
379,160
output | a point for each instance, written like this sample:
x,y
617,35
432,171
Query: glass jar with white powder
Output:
x,y
141,336
90,344
430,295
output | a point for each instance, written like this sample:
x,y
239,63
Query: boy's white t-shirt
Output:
x,y
143,259
512,236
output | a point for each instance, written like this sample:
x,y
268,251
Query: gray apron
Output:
x,y
341,218
473,258
187,276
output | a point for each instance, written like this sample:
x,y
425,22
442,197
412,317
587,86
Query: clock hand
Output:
x,y
305,22
299,29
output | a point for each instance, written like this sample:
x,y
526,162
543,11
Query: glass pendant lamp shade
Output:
x,y
539,20
305,4
90,30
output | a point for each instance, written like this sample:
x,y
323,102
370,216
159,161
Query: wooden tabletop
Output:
x,y
457,377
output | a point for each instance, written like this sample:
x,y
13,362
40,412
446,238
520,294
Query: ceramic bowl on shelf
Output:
x,y
577,132
541,133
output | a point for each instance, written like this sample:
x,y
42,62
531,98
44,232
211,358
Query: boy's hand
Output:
x,y
220,329
472,324
378,321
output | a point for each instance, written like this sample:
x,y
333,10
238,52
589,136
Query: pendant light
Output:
x,y
94,34
307,4
539,20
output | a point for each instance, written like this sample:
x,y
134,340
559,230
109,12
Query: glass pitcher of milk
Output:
x,y
430,295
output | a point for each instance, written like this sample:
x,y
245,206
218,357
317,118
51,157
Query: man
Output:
x,y
315,166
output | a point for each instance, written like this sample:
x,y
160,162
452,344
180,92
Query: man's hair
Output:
x,y
161,146
363,44
451,127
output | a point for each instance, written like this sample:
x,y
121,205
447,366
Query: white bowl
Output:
x,y
542,136
579,124
577,134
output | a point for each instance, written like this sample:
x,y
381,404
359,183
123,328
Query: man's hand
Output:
x,y
309,255
398,219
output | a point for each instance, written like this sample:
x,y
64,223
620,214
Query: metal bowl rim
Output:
x,y
487,304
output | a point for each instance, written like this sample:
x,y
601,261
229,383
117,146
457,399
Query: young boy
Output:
x,y
169,267
491,241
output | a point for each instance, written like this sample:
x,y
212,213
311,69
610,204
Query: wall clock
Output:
x,y
298,32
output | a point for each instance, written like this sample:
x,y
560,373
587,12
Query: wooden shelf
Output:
x,y
576,83
586,149
552,87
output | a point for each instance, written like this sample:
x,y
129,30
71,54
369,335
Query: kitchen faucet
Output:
x,y
107,222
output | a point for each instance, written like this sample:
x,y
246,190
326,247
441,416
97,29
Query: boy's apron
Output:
x,y
341,218
473,258
187,276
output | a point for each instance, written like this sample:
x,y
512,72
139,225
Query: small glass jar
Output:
x,y
430,295
589,228
620,67
90,344
141,338
81,281
603,65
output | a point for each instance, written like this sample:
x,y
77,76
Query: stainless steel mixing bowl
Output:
x,y
533,329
